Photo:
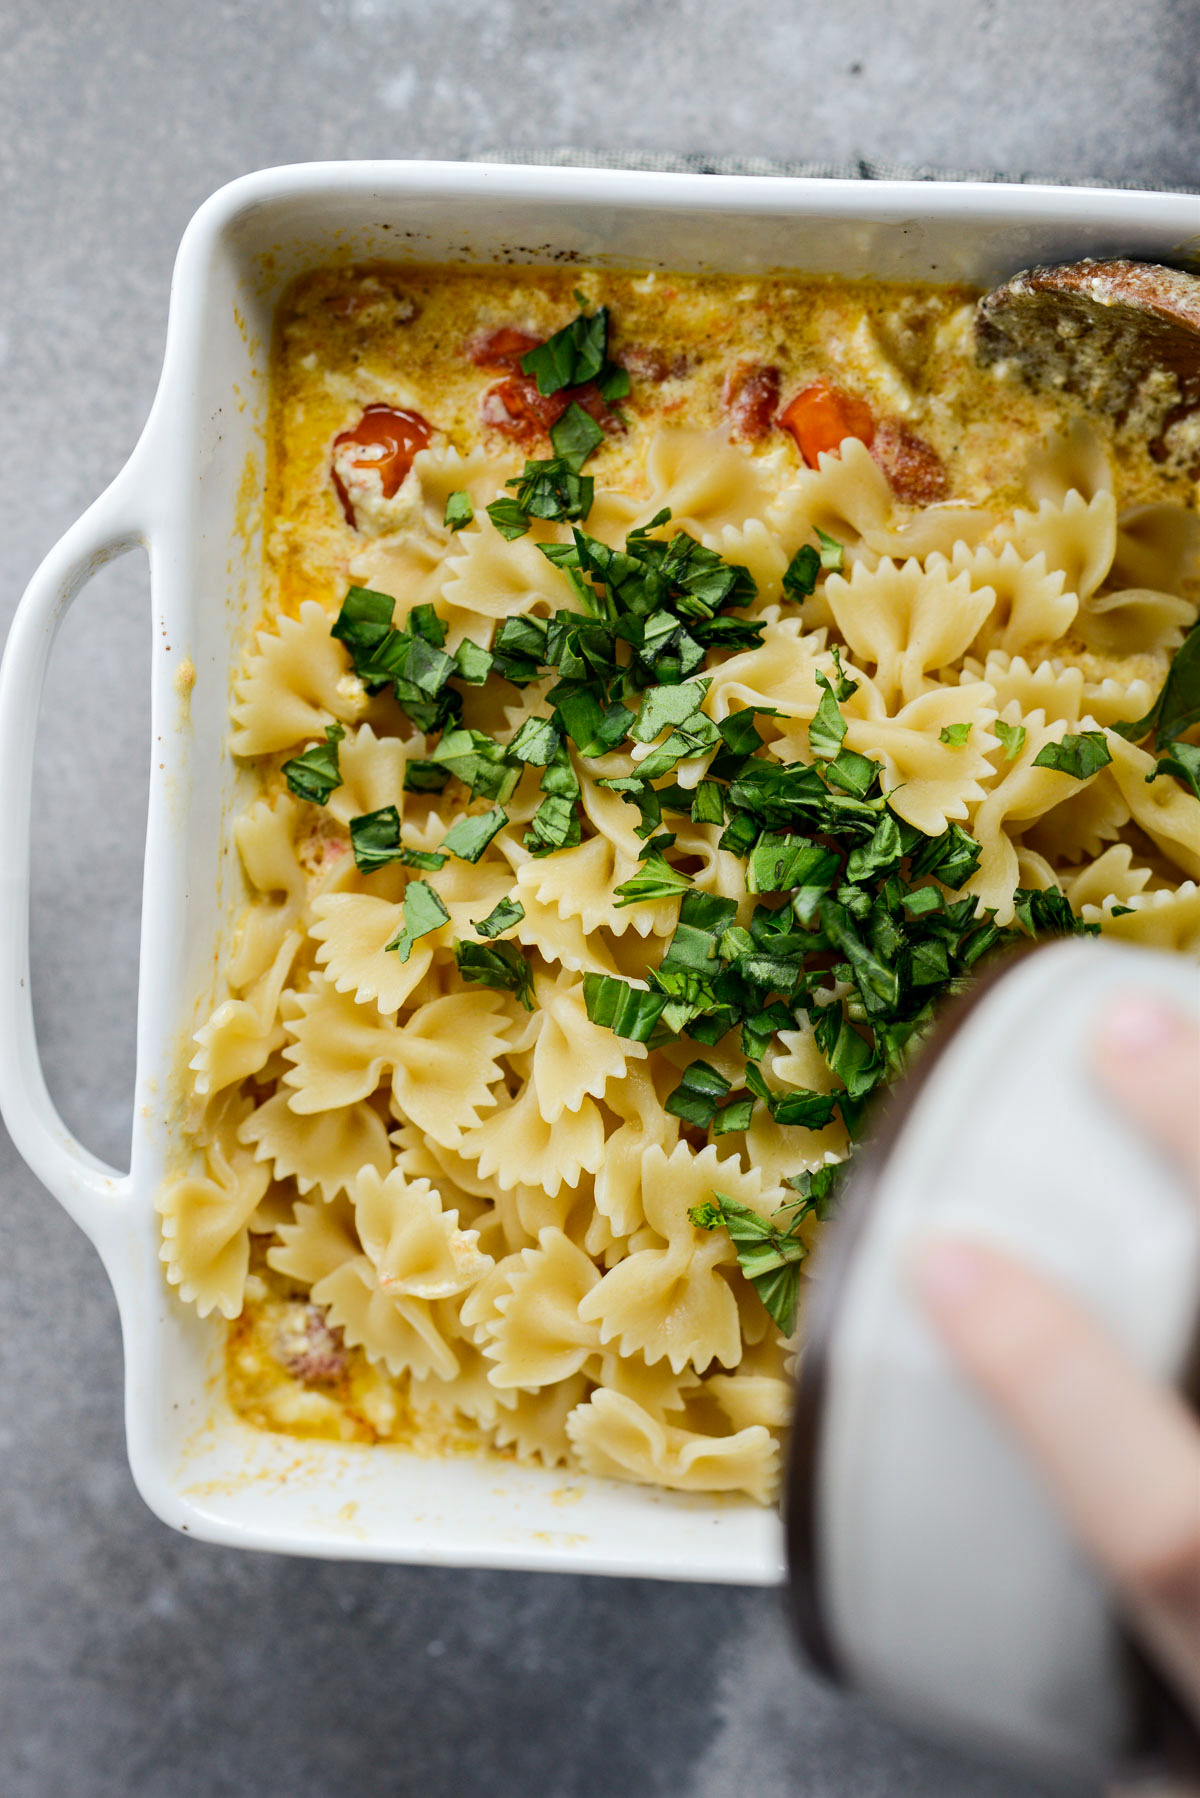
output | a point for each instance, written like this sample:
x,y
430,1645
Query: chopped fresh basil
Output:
x,y
828,727
536,743
423,776
574,438
954,734
502,917
423,913
655,879
1048,913
1012,736
362,624
1079,754
508,518
1183,761
479,762
470,836
459,510
708,807
472,664
833,553
572,357
628,1011
501,965
800,576
695,1099
1177,707
375,839
551,489
769,1255
315,774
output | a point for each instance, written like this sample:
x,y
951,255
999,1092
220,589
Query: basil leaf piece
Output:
x,y
1178,704
501,965
951,858
422,776
833,553
551,489
627,1010
503,916
828,727
954,734
847,1054
555,825
740,734
1080,754
362,624
800,576
1012,736
734,1116
769,1255
667,706
1048,913
508,518
573,356
655,879
479,762
459,510
536,743
613,382
803,1107
375,839
423,913
472,664
780,864
470,836
574,438
708,807
695,1098
423,621
1183,761
818,1191
315,774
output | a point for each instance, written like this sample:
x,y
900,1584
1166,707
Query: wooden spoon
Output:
x,y
1123,336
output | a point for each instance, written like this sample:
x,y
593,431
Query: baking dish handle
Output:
x,y
89,1190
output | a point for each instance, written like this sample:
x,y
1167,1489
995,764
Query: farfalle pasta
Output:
x,y
645,730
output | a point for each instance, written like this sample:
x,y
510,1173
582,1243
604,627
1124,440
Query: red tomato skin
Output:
x,y
516,409
821,416
750,395
502,348
396,434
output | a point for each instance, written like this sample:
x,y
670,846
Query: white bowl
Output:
x,y
182,494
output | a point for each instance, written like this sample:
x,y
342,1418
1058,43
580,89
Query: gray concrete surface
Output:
x,y
135,1664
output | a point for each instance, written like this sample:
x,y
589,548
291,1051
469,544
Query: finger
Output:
x,y
1121,1455
1149,1058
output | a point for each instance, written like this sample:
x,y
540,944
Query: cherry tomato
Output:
x,y
750,395
822,415
388,439
502,348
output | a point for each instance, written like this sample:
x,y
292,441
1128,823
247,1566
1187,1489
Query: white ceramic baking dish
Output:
x,y
183,495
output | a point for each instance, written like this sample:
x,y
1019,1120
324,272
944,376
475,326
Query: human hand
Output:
x,y
1121,1455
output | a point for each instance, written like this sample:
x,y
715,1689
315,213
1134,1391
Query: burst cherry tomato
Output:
x,y
502,348
388,439
822,415
750,395
516,408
